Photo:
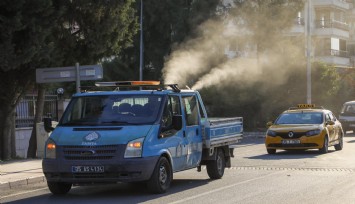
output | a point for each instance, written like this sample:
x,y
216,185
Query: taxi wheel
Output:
x,y
339,146
271,151
324,149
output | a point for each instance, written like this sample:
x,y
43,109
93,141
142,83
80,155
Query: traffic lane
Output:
x,y
280,186
250,165
239,185
185,184
252,152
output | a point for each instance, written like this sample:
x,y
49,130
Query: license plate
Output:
x,y
88,169
291,142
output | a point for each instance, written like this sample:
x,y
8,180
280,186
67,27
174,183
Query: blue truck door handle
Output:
x,y
196,132
184,133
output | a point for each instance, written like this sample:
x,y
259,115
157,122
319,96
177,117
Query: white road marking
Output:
x,y
222,188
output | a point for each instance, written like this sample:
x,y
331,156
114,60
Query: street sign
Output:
x,y
65,74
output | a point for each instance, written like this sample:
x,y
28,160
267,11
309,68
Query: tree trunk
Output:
x,y
13,84
7,134
32,146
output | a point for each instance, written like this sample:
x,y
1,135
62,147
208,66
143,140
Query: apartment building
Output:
x,y
332,30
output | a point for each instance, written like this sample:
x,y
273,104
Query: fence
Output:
x,y
26,109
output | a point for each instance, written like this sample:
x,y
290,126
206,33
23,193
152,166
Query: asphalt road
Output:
x,y
256,177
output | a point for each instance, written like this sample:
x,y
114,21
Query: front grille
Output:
x,y
295,134
294,145
103,152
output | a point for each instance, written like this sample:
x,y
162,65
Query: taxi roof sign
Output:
x,y
306,105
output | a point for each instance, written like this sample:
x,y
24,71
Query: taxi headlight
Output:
x,y
313,132
50,149
271,133
134,148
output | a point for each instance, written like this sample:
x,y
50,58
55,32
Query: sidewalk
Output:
x,y
20,172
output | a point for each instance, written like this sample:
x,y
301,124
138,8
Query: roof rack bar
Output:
x,y
153,84
175,87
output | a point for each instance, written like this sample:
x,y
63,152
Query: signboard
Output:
x,y
66,74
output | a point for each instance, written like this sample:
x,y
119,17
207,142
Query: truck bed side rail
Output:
x,y
223,131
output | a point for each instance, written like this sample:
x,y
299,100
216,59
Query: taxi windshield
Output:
x,y
112,110
300,118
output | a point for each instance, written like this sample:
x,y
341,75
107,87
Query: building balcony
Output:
x,y
336,57
339,4
331,28
297,28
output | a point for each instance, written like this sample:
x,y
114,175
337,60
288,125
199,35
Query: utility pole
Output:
x,y
309,73
141,45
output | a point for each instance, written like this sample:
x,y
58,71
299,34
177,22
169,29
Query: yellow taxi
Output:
x,y
304,127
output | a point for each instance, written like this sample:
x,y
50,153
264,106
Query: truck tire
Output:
x,y
161,177
59,188
215,168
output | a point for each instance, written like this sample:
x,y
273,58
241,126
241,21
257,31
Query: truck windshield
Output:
x,y
112,110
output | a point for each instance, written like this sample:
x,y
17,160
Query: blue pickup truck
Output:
x,y
140,135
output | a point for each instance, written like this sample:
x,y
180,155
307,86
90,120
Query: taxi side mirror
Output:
x,y
330,122
268,124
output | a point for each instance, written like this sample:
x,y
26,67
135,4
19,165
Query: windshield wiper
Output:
x,y
79,123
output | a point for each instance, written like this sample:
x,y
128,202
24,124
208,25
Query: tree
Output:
x,y
165,24
25,30
54,33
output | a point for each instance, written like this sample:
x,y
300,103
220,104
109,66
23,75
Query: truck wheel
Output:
x,y
59,188
215,168
161,177
324,149
339,146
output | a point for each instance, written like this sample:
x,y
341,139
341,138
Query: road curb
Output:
x,y
254,134
22,182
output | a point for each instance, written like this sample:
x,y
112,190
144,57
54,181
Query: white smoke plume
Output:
x,y
201,62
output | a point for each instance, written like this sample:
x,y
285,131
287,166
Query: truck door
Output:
x,y
175,140
193,134
331,127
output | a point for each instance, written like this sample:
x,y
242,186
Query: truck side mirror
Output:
x,y
268,124
48,124
177,122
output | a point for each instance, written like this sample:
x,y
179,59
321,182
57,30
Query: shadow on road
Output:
x,y
114,193
290,154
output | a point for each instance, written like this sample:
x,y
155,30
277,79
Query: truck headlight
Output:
x,y
313,132
50,149
134,148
